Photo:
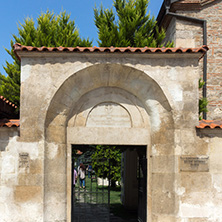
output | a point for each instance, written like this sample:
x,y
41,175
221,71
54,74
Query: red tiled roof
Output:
x,y
19,47
212,124
9,122
7,101
79,152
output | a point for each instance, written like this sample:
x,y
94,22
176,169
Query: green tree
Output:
x,y
129,26
106,162
203,102
51,31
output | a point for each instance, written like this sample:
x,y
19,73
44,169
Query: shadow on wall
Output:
x,y
208,132
6,134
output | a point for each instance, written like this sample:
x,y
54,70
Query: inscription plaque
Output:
x,y
194,164
109,114
23,160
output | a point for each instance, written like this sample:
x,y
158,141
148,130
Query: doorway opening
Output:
x,y
109,183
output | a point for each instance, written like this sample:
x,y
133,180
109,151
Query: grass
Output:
x,y
99,194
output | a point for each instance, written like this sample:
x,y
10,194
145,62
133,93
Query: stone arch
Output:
x,y
139,92
111,111
127,78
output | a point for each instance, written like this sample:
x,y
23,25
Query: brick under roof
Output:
x,y
202,2
190,5
18,47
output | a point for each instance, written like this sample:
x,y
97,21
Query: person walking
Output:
x,y
89,168
82,175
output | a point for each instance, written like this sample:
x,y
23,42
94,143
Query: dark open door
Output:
x,y
142,196
91,202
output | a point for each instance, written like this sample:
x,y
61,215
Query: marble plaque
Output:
x,y
108,114
194,164
23,160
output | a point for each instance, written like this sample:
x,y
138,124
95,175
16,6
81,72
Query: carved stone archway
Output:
x,y
74,117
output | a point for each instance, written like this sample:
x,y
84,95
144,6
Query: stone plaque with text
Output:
x,y
194,164
23,160
109,114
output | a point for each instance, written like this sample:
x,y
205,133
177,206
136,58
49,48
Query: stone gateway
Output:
x,y
137,97
140,99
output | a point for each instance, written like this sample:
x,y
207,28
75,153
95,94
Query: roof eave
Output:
x,y
162,11
23,51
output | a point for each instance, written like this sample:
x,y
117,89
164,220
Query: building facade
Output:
x,y
193,24
140,97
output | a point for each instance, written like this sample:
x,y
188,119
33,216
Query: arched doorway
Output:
x,y
114,189
110,116
102,104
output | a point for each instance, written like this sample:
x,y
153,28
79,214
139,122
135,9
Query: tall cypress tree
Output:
x,y
51,31
129,25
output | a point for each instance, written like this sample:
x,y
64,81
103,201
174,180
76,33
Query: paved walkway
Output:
x,y
85,212
88,208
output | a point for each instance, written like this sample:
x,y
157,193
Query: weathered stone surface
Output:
x,y
161,200
163,164
28,193
120,99
190,34
193,182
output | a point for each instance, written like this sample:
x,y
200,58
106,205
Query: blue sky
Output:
x,y
14,11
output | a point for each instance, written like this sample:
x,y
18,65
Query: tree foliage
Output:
x,y
129,26
203,102
51,31
106,162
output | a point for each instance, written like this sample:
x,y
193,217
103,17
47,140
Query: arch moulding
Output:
x,y
105,104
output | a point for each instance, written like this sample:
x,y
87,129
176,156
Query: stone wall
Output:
x,y
161,87
200,192
63,94
6,134
189,34
21,178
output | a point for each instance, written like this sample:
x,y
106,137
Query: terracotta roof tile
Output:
x,y
79,152
19,47
212,124
9,122
7,101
